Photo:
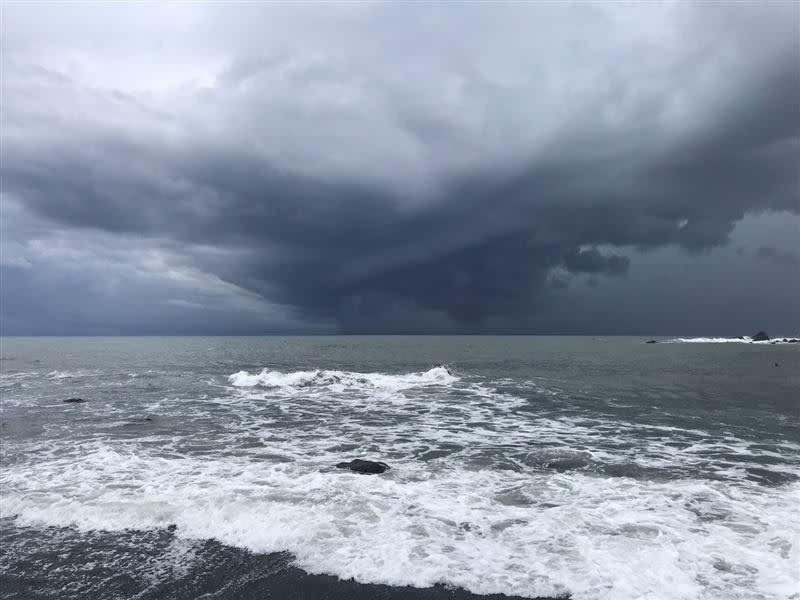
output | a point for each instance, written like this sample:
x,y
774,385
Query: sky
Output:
x,y
398,167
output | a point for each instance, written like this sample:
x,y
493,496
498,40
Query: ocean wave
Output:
x,y
480,495
489,531
348,379
496,485
57,375
18,376
724,340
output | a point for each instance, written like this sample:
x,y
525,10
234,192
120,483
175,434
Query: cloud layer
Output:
x,y
387,167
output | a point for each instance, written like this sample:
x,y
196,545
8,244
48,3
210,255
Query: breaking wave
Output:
x,y
347,379
724,340
487,530
497,485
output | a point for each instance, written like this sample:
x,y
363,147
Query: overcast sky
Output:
x,y
371,167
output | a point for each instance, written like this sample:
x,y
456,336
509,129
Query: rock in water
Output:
x,y
759,337
651,342
363,466
74,400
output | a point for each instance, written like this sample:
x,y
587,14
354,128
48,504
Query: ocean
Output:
x,y
584,467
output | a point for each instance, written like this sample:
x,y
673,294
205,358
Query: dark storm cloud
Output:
x,y
785,259
362,190
591,261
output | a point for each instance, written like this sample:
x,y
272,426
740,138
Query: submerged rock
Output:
x,y
759,337
363,466
74,400
651,342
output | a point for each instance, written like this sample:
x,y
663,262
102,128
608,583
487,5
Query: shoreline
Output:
x,y
204,568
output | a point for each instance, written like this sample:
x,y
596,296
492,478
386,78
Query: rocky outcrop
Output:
x,y
759,337
74,401
651,342
363,466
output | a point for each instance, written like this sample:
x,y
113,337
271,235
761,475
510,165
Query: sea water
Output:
x,y
600,468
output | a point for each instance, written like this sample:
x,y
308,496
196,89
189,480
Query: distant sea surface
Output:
x,y
589,467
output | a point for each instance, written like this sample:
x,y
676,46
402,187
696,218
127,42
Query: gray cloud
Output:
x,y
785,259
389,167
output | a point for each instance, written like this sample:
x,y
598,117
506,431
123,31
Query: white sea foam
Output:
x,y
57,375
486,530
723,340
295,379
487,491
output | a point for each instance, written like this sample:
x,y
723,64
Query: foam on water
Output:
x,y
486,530
723,340
149,558
277,379
495,486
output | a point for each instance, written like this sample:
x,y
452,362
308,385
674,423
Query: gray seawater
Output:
x,y
528,466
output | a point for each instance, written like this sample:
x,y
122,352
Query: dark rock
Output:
x,y
74,400
651,342
172,527
793,341
363,466
739,337
784,340
759,337
471,528
776,364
